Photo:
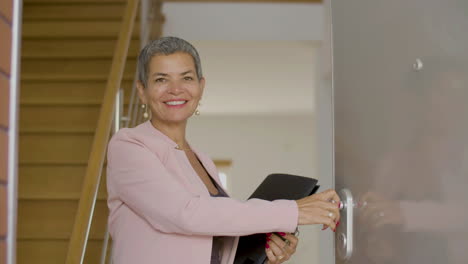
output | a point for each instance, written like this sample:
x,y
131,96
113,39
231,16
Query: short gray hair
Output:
x,y
165,46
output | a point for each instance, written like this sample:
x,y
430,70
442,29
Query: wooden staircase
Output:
x,y
67,49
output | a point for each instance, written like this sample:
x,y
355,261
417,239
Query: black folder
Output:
x,y
251,249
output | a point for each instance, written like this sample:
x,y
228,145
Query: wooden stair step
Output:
x,y
48,2
73,11
62,92
74,29
80,49
62,69
54,182
60,118
54,148
54,219
53,251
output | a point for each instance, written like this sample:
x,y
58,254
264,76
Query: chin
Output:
x,y
175,119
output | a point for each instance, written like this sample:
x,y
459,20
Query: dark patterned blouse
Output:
x,y
217,240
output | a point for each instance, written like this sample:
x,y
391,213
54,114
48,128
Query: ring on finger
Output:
x,y
330,215
280,257
296,233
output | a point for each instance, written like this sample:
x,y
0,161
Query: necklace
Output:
x,y
179,148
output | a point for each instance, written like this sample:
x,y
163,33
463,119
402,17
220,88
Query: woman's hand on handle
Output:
x,y
321,208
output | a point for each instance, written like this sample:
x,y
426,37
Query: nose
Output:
x,y
175,88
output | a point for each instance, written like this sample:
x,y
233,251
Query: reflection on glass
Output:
x,y
401,135
415,210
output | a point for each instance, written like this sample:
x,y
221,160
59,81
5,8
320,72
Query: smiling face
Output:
x,y
173,88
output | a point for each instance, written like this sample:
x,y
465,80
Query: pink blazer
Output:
x,y
161,212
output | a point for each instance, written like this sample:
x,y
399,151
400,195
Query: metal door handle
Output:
x,y
344,233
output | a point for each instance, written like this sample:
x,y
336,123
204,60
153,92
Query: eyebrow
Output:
x,y
187,72
165,74
159,74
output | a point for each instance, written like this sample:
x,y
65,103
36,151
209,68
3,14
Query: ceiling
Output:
x,y
257,58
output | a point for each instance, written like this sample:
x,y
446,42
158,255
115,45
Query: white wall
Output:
x,y
260,145
244,21
245,77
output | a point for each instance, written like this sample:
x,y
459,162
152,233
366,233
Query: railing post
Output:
x,y
118,110
9,253
105,245
117,125
145,8
144,32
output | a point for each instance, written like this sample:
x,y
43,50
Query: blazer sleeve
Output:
x,y
140,180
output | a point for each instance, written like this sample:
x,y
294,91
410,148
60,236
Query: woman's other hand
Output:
x,y
279,250
321,208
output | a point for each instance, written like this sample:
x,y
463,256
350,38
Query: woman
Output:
x,y
165,198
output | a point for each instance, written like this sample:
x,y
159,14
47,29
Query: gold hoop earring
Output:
x,y
145,109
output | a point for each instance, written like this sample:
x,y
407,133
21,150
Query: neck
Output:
x,y
175,131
